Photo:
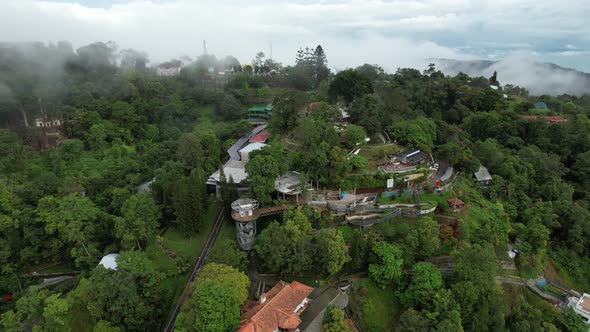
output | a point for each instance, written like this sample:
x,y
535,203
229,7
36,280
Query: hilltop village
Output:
x,y
212,195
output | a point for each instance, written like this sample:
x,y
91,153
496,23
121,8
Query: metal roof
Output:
x,y
253,147
234,168
482,174
289,183
447,175
233,151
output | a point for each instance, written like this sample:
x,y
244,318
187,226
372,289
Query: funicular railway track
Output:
x,y
198,265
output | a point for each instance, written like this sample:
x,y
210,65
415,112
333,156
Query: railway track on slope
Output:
x,y
198,265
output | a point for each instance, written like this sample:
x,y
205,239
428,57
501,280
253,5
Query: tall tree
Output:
x,y
190,201
130,297
367,111
285,112
215,304
348,85
287,247
262,172
331,251
388,267
189,151
426,279
74,220
139,221
334,320
320,66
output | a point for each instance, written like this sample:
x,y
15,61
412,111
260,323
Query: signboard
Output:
x,y
389,183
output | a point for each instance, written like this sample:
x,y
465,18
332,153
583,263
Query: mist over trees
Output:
x,y
130,177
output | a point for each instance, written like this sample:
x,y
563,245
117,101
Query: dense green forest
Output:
x,y
65,206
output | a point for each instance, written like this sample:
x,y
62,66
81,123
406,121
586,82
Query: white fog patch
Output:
x,y
526,70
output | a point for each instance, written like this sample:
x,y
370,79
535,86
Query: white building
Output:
x,y
245,151
236,169
171,71
45,123
483,176
581,306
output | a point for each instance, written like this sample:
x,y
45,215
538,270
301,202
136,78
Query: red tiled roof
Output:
x,y
550,118
530,117
277,310
261,137
314,104
455,201
291,322
554,119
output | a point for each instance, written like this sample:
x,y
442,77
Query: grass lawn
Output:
x,y
346,231
375,309
227,232
379,151
549,288
187,249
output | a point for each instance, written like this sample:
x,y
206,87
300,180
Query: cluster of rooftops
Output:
x,y
239,154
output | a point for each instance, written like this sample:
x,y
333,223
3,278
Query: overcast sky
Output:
x,y
392,33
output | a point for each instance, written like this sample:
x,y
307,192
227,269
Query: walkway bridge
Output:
x,y
258,213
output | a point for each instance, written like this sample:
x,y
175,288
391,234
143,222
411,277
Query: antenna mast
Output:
x,y
204,47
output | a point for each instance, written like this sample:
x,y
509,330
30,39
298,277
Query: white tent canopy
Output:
x,y
109,261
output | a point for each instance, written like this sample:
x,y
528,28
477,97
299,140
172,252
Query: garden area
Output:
x,y
377,153
175,253
373,308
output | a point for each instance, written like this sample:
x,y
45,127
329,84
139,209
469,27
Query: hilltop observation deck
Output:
x,y
245,212
255,214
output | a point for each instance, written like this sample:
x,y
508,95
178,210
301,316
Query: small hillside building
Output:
x,y
290,184
482,176
410,157
259,114
277,310
456,204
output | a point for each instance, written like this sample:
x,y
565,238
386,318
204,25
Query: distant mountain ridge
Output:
x,y
539,78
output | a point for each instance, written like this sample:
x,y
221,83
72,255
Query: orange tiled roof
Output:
x,y
550,118
277,310
455,201
291,322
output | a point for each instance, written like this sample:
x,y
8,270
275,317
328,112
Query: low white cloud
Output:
x,y
526,69
392,33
